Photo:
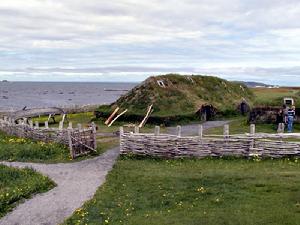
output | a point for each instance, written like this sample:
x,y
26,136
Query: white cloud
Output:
x,y
169,34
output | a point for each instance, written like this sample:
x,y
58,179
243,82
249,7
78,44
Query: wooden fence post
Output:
x,y
156,130
226,131
46,125
136,130
94,135
36,124
178,131
252,129
200,131
252,133
70,143
121,134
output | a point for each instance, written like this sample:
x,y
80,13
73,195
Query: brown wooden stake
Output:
x,y
111,116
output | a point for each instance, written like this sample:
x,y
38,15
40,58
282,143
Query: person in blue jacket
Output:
x,y
290,119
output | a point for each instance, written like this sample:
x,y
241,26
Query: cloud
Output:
x,y
143,37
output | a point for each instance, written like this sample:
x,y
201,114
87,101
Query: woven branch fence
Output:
x,y
80,141
176,146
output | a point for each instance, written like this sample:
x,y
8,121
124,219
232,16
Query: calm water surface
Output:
x,y
16,95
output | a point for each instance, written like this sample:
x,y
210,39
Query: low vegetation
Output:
x,y
19,184
208,191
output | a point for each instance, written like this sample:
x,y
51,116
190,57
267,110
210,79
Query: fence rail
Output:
x,y
177,146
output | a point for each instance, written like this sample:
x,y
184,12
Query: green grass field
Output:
x,y
19,184
274,96
208,191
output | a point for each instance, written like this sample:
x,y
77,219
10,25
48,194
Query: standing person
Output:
x,y
285,113
290,118
280,121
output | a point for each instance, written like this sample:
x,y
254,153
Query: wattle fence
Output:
x,y
200,146
80,141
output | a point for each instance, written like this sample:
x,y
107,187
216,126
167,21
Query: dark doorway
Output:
x,y
244,108
206,112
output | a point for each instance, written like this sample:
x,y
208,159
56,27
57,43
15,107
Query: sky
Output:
x,y
129,40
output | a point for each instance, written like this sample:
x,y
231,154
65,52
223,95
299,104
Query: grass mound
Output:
x,y
182,95
18,184
209,191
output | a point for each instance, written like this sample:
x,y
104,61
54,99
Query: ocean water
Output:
x,y
16,95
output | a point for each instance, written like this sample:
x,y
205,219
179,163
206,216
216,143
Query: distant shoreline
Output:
x,y
67,109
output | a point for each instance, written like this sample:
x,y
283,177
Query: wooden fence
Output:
x,y
200,146
80,141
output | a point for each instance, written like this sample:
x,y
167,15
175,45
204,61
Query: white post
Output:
x,y
252,129
156,130
70,125
36,124
226,131
178,131
46,125
79,126
200,131
136,129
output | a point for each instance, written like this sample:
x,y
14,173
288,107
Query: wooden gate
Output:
x,y
82,141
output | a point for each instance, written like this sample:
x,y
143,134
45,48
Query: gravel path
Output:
x,y
192,129
76,183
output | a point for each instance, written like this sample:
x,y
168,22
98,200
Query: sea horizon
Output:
x,y
15,95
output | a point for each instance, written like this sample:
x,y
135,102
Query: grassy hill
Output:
x,y
183,95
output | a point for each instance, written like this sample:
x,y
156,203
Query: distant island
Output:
x,y
5,81
252,84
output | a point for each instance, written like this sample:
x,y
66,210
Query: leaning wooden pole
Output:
x,y
146,117
111,116
117,117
